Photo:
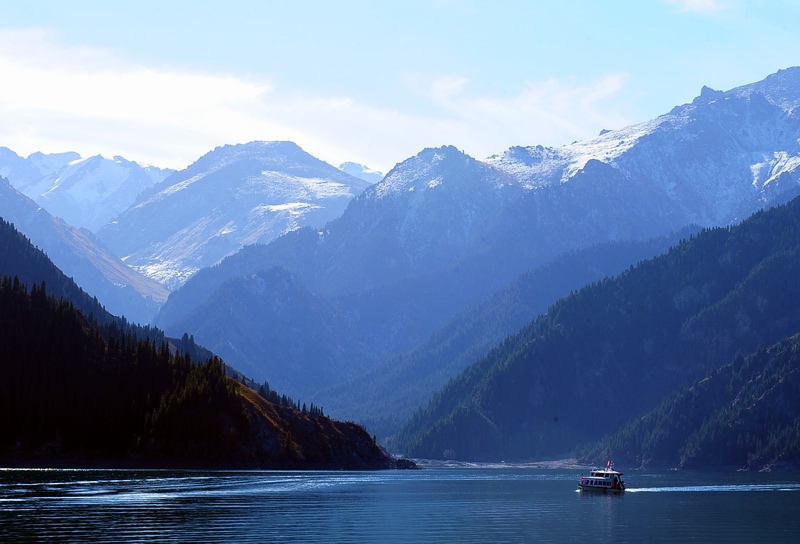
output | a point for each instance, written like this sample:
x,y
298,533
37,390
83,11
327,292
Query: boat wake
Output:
x,y
718,488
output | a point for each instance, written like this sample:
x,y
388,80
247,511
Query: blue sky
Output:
x,y
163,82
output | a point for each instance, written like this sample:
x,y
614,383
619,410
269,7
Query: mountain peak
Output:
x,y
707,93
274,156
425,167
781,88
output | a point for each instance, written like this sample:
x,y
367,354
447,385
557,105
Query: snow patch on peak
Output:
x,y
781,89
537,166
421,171
771,168
172,189
295,208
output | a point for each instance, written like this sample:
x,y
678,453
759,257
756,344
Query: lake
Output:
x,y
444,504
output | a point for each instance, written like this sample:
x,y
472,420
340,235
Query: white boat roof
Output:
x,y
609,471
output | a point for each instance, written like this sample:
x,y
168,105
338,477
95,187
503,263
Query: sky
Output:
x,y
374,82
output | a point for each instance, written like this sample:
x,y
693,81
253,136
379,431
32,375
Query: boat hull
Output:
x,y
598,489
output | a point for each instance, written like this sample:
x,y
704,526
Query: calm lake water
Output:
x,y
483,504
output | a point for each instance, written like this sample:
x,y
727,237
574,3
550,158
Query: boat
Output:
x,y
603,480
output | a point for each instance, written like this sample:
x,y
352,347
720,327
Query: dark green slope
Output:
x,y
614,349
72,387
19,258
744,414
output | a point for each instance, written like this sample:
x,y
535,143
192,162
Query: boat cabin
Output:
x,y
605,480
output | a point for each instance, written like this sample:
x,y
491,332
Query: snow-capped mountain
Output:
x,y
713,161
443,230
233,196
361,171
86,193
76,252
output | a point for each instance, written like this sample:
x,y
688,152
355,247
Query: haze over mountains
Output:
x,y
327,285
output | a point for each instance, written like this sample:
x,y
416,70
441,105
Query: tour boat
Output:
x,y
604,480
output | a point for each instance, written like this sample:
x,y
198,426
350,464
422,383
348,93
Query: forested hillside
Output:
x,y
613,350
75,393
745,414
71,386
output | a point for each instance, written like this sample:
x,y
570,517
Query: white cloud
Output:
x,y
548,112
58,98
50,91
699,6
446,87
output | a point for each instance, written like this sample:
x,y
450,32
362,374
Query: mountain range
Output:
x,y
443,230
385,397
249,193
